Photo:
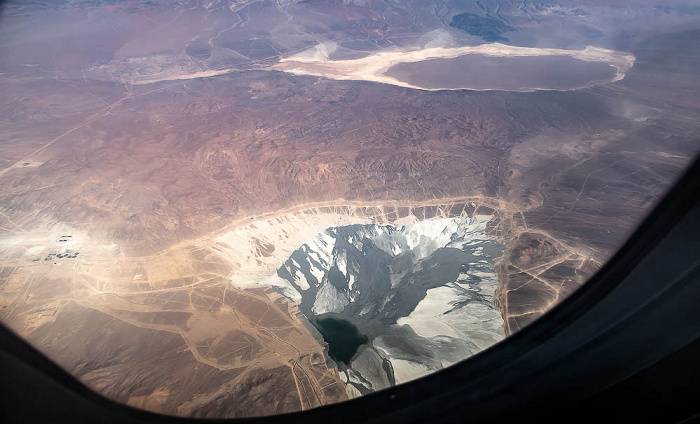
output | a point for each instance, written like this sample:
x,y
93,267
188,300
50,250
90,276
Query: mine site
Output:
x,y
247,208
251,273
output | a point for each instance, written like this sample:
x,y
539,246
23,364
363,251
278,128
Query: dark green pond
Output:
x,y
343,337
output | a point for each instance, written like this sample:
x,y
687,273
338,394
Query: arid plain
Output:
x,y
158,164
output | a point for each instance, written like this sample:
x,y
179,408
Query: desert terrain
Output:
x,y
160,162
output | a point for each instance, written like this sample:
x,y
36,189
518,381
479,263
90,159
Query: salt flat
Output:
x,y
374,67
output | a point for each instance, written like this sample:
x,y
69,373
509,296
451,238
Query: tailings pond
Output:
x,y
343,338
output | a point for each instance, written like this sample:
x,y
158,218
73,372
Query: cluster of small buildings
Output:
x,y
66,254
